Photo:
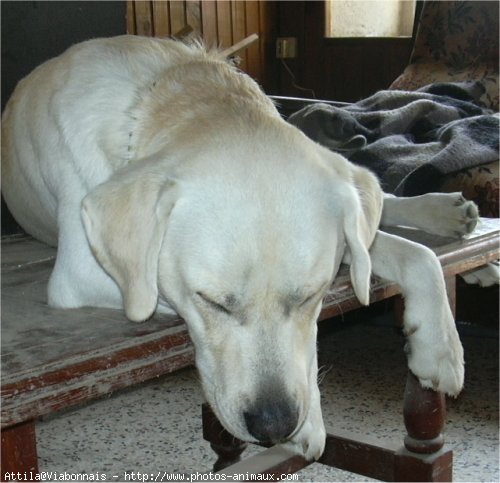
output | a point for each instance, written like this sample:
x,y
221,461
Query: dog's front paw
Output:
x,y
438,363
309,441
452,214
466,215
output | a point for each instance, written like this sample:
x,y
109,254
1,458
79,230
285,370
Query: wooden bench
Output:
x,y
54,359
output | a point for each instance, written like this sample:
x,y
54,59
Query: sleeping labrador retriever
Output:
x,y
169,182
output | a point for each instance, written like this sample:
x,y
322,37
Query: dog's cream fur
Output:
x,y
169,182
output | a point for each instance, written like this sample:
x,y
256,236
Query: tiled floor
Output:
x,y
157,427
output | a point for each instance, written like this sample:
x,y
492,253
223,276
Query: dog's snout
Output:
x,y
271,420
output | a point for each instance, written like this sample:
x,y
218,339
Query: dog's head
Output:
x,y
243,242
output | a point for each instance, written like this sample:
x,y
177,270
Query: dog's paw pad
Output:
x,y
472,211
459,218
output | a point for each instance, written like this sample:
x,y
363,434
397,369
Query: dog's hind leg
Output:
x,y
444,214
77,279
435,354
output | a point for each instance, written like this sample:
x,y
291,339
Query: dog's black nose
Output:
x,y
271,420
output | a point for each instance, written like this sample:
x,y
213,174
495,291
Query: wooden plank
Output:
x,y
415,467
26,403
32,389
267,46
22,251
240,46
272,462
366,456
131,28
238,19
333,305
252,9
239,29
177,16
224,24
209,22
458,256
19,450
143,18
161,19
37,339
83,359
193,16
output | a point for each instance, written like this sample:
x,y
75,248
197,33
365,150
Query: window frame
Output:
x,y
354,40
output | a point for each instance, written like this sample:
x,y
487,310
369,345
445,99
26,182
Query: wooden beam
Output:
x,y
19,450
161,19
240,46
209,22
144,18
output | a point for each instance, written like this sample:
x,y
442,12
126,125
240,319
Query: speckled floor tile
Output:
x,y
156,427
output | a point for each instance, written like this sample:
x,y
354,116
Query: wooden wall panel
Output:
x,y
239,28
268,29
177,16
220,23
340,69
161,19
252,25
209,22
224,24
193,15
357,68
143,18
131,28
337,69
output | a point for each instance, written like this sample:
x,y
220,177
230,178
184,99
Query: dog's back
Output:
x,y
70,120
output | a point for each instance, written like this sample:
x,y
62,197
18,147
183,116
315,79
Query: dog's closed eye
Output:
x,y
212,303
300,299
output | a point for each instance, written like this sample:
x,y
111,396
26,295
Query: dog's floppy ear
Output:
x,y
363,202
125,219
356,255
358,259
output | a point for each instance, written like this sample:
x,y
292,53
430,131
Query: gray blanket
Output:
x,y
410,140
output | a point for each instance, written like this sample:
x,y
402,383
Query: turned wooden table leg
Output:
x,y
226,446
424,414
19,450
423,457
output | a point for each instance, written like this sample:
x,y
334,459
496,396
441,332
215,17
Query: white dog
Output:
x,y
168,181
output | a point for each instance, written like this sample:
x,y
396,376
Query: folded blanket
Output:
x,y
410,139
